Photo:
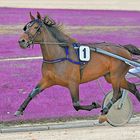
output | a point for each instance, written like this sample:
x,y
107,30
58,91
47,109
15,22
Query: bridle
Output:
x,y
38,31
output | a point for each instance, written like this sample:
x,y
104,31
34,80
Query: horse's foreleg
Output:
x,y
39,88
74,90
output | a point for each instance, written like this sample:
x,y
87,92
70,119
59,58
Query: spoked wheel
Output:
x,y
121,112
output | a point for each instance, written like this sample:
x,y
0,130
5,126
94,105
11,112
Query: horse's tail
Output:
x,y
132,49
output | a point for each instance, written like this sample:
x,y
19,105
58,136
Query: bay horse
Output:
x,y
61,65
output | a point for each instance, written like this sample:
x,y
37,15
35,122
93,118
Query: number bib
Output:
x,y
84,53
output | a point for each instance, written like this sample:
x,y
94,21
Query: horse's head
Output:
x,y
33,30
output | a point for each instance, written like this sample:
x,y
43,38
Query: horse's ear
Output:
x,y
38,15
31,16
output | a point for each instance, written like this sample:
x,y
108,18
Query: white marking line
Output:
x,y
21,58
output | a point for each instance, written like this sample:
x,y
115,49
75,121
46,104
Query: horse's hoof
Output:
x,y
96,105
102,118
18,113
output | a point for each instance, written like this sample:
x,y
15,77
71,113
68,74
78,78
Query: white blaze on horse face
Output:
x,y
84,53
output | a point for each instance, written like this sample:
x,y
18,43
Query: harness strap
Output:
x,y
64,58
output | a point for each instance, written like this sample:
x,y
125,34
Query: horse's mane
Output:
x,y
56,30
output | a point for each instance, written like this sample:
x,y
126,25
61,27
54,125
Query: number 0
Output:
x,y
84,53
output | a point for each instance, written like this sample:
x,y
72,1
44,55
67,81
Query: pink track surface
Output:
x,y
18,78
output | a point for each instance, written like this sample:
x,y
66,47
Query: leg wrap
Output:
x,y
29,98
35,91
76,105
107,107
137,94
24,104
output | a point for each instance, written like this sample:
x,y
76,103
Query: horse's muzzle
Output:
x,y
23,43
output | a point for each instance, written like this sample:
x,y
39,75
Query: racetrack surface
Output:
x,y
123,29
20,76
76,4
128,132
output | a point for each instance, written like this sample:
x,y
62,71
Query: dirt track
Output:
x,y
76,4
129,132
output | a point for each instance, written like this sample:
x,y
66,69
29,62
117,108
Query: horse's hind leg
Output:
x,y
115,77
40,87
116,90
130,87
74,90
116,94
126,85
117,73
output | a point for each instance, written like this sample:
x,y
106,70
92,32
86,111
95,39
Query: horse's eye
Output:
x,y
36,27
25,28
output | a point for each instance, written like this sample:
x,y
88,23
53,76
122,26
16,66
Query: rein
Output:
x,y
50,43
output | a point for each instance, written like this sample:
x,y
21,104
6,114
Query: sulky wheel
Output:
x,y
121,112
